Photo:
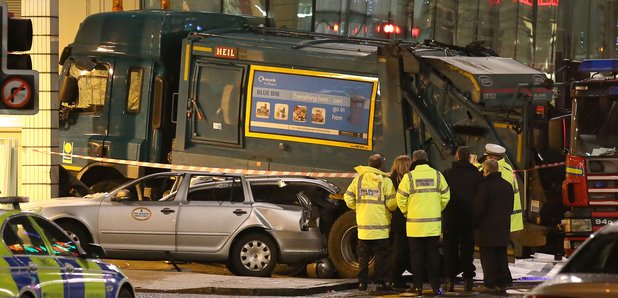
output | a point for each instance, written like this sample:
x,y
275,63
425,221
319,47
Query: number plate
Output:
x,y
603,221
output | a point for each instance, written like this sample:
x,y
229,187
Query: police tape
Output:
x,y
544,166
199,168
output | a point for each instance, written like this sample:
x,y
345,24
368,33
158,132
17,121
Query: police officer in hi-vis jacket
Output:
x,y
422,195
372,195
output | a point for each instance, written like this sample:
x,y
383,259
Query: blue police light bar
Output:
x,y
599,65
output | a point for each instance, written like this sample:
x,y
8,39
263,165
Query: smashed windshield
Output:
x,y
595,126
92,86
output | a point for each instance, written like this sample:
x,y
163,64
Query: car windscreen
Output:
x,y
599,255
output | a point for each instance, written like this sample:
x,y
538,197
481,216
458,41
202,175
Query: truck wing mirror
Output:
x,y
66,52
69,91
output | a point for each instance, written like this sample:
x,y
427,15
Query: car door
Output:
x,y
214,208
82,275
138,218
32,265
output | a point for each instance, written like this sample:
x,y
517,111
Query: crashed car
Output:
x,y
249,223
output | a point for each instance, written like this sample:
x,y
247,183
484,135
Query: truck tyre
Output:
x,y
106,185
77,234
253,254
342,241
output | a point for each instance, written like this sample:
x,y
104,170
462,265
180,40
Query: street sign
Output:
x,y
16,92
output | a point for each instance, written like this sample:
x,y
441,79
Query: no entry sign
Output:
x,y
16,92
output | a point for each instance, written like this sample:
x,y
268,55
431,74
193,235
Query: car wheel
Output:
x,y
125,293
342,241
77,234
253,255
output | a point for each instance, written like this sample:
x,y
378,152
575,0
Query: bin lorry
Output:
x,y
590,189
204,89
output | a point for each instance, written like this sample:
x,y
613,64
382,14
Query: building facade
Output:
x,y
538,33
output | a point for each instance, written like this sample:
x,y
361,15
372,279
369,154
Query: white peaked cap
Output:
x,y
494,149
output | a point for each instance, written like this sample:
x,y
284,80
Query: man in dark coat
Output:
x,y
493,205
458,226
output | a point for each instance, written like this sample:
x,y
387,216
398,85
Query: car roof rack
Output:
x,y
14,201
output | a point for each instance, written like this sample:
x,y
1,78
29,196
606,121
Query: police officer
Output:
x,y
496,152
422,195
372,195
491,215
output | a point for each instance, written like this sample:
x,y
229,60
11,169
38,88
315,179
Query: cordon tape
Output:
x,y
237,171
202,169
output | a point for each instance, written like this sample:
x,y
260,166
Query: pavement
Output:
x,y
166,280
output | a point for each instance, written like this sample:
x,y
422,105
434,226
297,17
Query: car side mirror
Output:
x,y
122,195
69,90
94,251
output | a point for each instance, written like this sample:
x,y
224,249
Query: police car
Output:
x,y
38,259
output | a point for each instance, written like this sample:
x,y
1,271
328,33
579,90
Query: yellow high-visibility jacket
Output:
x,y
372,195
422,195
517,218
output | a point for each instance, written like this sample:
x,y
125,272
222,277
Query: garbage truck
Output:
x,y
212,90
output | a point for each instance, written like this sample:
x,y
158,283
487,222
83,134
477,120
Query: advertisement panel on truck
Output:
x,y
311,107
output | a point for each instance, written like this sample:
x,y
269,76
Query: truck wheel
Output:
x,y
342,241
77,234
253,255
106,185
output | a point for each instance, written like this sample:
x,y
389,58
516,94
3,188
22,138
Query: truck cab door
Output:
x,y
84,117
128,124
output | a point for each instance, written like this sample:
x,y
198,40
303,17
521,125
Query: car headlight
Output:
x,y
580,225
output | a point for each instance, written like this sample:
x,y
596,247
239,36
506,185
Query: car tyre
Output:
x,y
253,255
77,234
125,293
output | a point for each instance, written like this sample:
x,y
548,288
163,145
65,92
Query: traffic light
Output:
x,y
18,82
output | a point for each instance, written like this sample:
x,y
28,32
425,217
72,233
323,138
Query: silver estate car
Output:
x,y
591,272
249,223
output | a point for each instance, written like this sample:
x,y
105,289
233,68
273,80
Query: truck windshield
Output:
x,y
92,88
595,126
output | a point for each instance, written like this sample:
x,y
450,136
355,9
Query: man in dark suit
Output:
x,y
457,223
493,205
